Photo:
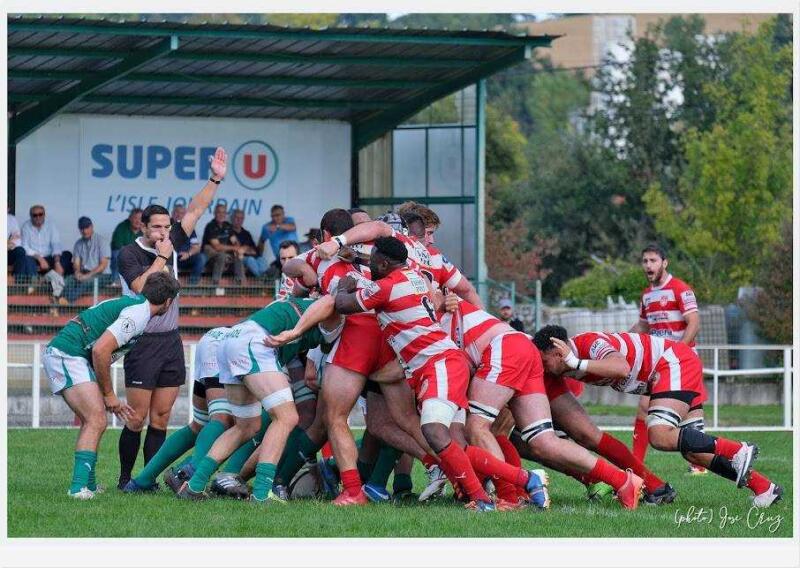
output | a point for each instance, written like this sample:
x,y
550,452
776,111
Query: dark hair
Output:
x,y
414,218
656,248
151,210
160,287
136,210
391,248
289,243
336,221
542,337
275,208
356,210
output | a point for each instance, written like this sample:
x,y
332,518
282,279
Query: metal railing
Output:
x,y
715,372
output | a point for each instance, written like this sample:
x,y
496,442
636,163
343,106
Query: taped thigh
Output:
x,y
219,406
485,411
439,411
662,416
536,429
277,398
251,410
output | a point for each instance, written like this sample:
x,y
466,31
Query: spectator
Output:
x,y
313,238
124,234
16,252
247,246
91,256
42,245
220,246
281,228
284,286
190,255
507,315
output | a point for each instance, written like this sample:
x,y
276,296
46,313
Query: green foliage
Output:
x,y
772,307
735,189
506,160
453,21
617,278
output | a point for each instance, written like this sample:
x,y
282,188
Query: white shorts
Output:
x,y
64,371
205,360
243,353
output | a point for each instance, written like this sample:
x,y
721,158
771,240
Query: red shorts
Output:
x,y
680,369
512,361
443,376
361,347
555,386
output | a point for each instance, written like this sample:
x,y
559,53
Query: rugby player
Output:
x,y
671,374
78,360
439,370
155,367
509,372
254,377
668,309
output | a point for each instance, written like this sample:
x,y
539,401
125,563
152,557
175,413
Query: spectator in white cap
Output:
x,y
507,315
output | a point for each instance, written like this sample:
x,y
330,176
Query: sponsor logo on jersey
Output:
x,y
599,349
127,325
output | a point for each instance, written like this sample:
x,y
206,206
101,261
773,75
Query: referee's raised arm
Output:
x,y
201,201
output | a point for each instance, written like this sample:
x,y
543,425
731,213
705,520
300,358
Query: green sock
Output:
x,y
364,469
205,469
84,464
205,439
238,458
173,447
384,466
298,449
92,483
265,474
402,482
291,443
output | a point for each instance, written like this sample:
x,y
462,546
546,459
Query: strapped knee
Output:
x,y
199,415
251,410
485,411
662,416
277,398
437,410
302,393
535,429
219,406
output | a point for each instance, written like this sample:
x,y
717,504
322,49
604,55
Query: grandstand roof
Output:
x,y
372,78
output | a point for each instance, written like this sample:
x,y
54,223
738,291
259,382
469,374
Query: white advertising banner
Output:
x,y
104,166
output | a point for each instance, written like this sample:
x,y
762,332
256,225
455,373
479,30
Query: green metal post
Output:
x,y
480,197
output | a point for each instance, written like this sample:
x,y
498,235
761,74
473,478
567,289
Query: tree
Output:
x,y
771,309
735,190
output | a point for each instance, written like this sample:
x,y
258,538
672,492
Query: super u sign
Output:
x,y
255,165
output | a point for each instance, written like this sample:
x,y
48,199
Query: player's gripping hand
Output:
x,y
348,284
116,406
327,249
566,353
219,163
282,338
451,302
164,247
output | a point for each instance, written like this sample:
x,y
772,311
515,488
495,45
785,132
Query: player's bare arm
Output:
x,y
101,362
612,366
301,271
320,312
346,302
692,327
358,234
201,201
466,291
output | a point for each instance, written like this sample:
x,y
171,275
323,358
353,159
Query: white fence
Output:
x,y
34,367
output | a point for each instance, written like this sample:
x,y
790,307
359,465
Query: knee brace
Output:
x,y
277,398
251,410
219,406
698,424
662,416
531,431
302,393
437,410
485,411
199,415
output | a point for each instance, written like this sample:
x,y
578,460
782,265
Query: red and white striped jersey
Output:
x,y
331,271
642,352
405,312
285,288
663,308
444,271
466,326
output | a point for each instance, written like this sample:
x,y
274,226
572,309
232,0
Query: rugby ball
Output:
x,y
306,484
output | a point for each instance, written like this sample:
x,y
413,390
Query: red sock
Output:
x,y
640,439
608,473
618,453
327,451
585,478
726,448
758,483
510,453
428,461
507,491
486,465
351,482
456,466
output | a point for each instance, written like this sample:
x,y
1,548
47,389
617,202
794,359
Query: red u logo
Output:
x,y
261,168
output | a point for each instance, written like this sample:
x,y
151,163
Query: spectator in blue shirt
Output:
x,y
281,228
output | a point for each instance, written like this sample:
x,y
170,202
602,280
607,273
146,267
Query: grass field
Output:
x,y
40,461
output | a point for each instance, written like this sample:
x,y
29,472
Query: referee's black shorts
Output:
x,y
155,361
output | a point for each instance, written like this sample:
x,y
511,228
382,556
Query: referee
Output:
x,y
155,367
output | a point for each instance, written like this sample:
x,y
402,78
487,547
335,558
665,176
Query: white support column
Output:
x,y
36,374
787,387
